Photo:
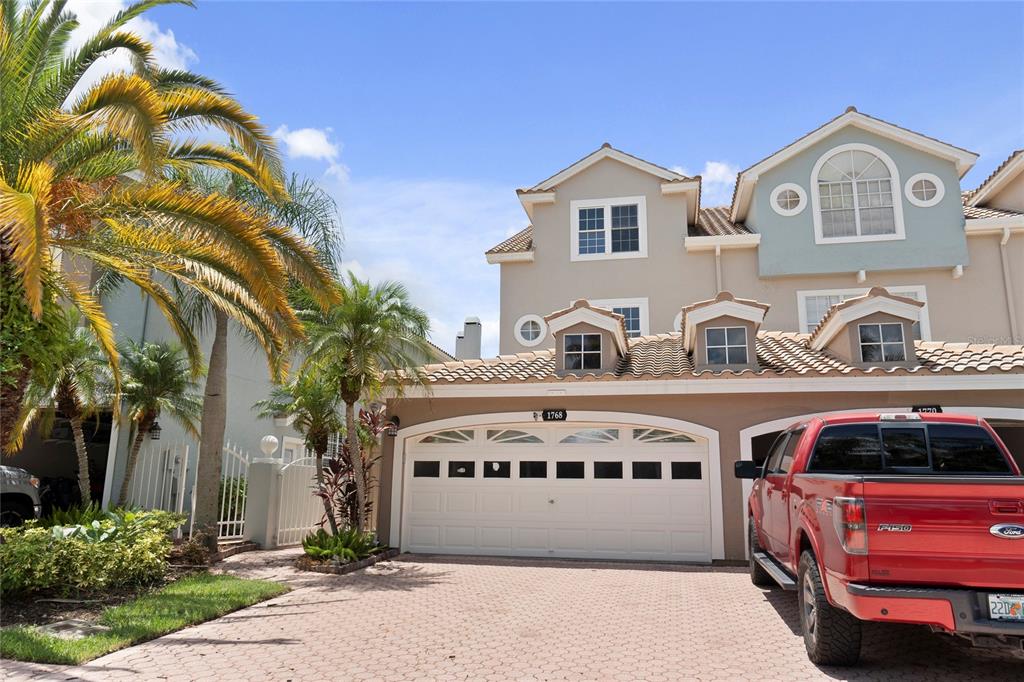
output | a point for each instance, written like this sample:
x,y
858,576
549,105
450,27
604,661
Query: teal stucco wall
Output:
x,y
934,236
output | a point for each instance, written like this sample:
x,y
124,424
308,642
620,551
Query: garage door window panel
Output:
x,y
592,436
512,437
660,436
457,469
448,437
646,471
424,469
533,469
686,471
497,469
570,470
604,470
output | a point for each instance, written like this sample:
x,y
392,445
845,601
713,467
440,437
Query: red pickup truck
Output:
x,y
908,518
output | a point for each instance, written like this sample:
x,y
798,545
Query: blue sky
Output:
x,y
422,119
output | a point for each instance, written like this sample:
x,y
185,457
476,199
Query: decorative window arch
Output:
x,y
856,196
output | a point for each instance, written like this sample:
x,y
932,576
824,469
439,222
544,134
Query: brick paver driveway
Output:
x,y
448,618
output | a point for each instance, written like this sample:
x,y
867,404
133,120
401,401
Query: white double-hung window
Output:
x,y
857,196
608,228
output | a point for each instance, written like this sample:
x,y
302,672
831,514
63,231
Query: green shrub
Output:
x,y
124,548
348,545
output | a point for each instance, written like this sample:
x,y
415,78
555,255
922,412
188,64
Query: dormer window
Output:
x,y
609,228
855,199
881,342
726,345
582,351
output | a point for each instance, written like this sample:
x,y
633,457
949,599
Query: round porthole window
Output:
x,y
924,190
530,330
788,199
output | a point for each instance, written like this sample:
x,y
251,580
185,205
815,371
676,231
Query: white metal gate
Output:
x,y
300,511
234,479
159,481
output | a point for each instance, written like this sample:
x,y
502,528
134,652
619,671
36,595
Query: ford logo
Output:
x,y
1010,531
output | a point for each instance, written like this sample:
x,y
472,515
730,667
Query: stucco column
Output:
x,y
263,502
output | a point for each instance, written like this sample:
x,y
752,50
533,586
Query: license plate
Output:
x,y
1006,606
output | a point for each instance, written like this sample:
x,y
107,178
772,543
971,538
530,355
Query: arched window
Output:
x,y
855,199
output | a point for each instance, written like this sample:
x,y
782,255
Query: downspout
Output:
x,y
718,268
1011,306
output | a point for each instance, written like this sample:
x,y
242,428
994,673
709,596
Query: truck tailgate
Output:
x,y
931,529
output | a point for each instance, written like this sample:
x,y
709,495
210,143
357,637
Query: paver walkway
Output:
x,y
477,619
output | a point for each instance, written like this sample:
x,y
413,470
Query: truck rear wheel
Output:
x,y
758,575
831,635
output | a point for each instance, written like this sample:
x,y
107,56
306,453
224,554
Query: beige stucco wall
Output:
x,y
727,414
1009,197
971,308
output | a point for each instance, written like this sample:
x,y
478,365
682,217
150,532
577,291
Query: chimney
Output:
x,y
467,344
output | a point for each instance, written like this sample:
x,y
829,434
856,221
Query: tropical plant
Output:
x,y
314,403
370,342
73,377
156,380
310,214
346,546
87,170
338,484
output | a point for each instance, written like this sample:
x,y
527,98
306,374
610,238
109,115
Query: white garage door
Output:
x,y
603,491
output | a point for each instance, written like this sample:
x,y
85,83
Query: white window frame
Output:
x,y
641,303
897,199
530,318
727,346
881,344
940,190
583,353
606,204
919,290
788,212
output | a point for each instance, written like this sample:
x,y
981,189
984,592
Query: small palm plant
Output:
x,y
156,380
74,378
369,343
311,398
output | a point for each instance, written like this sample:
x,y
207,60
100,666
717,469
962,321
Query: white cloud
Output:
x,y
717,181
308,143
431,235
92,15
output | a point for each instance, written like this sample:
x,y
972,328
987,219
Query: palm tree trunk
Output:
x,y
133,458
83,460
328,506
355,452
211,442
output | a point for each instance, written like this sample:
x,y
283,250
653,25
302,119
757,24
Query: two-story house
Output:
x,y
853,204
648,343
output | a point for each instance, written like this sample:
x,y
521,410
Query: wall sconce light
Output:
x,y
392,427
154,431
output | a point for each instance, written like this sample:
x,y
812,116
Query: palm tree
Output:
x,y
92,176
310,214
157,381
368,343
74,379
311,398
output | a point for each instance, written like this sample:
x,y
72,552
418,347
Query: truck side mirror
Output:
x,y
747,469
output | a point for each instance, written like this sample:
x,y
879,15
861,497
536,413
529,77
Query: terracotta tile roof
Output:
x,y
714,222
874,292
979,213
779,354
995,174
520,242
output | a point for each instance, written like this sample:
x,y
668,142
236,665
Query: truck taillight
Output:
x,y
851,524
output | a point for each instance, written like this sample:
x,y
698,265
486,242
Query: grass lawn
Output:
x,y
186,602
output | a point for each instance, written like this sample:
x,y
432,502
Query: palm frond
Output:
x,y
24,223
127,106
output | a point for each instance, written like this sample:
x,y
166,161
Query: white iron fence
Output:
x,y
234,488
160,477
300,511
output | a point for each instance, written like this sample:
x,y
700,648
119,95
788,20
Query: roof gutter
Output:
x,y
719,242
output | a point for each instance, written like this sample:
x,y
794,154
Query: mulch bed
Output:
x,y
306,563
35,610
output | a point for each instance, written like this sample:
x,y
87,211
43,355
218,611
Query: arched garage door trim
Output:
x,y
405,436
748,434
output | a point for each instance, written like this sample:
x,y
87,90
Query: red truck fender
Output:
x,y
807,532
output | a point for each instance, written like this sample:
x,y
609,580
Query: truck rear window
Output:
x,y
928,448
